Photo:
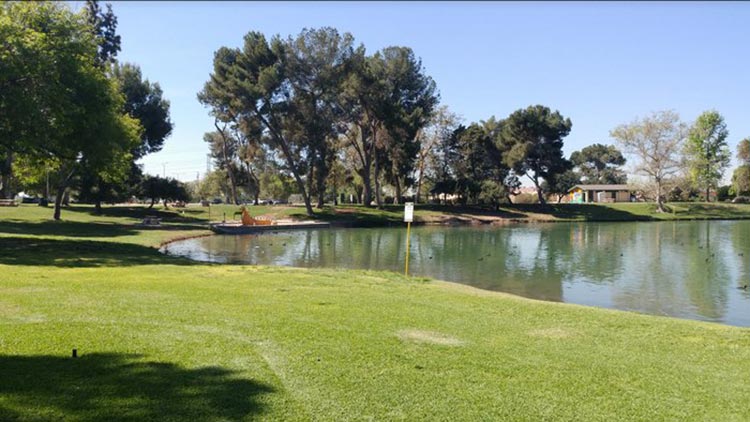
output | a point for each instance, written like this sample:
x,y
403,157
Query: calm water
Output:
x,y
683,269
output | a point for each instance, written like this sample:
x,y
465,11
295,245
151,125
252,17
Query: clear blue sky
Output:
x,y
601,64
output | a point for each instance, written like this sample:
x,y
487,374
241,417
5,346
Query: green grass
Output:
x,y
161,338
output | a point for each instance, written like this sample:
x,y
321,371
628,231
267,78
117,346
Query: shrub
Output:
x,y
525,198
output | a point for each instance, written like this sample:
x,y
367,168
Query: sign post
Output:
x,y
408,217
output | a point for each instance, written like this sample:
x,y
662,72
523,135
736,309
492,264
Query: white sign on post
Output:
x,y
408,212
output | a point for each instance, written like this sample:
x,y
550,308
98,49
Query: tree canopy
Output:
x,y
600,164
657,141
531,140
707,151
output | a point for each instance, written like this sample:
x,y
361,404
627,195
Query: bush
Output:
x,y
526,198
724,193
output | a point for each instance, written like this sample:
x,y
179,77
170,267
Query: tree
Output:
x,y
741,175
166,189
389,98
104,28
316,63
223,146
144,102
29,64
657,141
599,164
561,183
410,99
531,140
707,151
265,85
78,123
214,184
441,126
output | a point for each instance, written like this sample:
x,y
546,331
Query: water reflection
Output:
x,y
684,269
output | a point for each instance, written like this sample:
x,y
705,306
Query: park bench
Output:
x,y
8,203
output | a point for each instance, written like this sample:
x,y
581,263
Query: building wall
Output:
x,y
622,196
578,196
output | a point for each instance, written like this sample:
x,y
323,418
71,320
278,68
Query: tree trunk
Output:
x,y
321,197
378,197
708,189
397,199
58,201
366,198
539,193
227,163
61,196
659,199
419,182
98,206
6,176
153,201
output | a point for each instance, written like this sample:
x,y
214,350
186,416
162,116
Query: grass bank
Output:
x,y
161,338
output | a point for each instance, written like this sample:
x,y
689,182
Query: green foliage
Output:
x,y
531,140
741,180
214,185
724,193
707,151
743,151
561,183
599,164
104,27
144,102
166,189
82,125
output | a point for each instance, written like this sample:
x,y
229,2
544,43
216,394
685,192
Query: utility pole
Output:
x,y
164,170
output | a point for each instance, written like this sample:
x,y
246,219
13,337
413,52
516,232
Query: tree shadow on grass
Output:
x,y
389,215
713,210
487,212
122,388
66,228
139,212
586,212
81,253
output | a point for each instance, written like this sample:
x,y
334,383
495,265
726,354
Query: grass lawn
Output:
x,y
163,338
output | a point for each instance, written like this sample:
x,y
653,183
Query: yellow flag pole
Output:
x,y
408,233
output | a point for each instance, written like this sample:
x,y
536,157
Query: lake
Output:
x,y
683,269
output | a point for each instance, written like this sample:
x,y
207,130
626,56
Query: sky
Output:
x,y
600,64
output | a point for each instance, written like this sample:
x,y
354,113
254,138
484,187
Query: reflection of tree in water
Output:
x,y
122,388
684,270
708,278
740,235
513,260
